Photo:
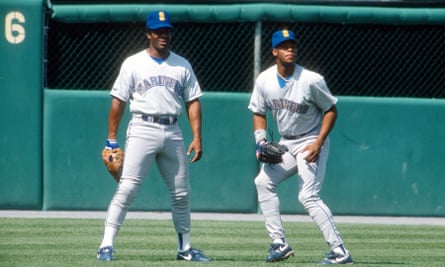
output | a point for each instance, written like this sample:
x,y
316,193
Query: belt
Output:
x,y
161,119
293,137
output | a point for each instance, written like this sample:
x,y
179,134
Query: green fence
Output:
x,y
384,63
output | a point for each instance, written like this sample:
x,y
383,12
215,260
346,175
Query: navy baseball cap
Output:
x,y
158,19
281,36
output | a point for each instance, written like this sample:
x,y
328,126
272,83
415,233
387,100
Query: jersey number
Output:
x,y
14,31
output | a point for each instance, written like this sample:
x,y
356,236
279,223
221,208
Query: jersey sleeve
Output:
x,y
192,89
257,103
123,83
323,97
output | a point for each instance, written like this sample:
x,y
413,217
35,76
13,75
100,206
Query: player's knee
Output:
x,y
185,194
180,197
307,200
125,195
265,189
261,182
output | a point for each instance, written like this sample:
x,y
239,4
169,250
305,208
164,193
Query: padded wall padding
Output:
x,y
386,158
21,104
75,177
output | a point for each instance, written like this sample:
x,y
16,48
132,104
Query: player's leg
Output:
x,y
311,177
266,182
173,166
139,157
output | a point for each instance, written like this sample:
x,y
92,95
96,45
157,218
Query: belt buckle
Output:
x,y
169,120
150,118
164,121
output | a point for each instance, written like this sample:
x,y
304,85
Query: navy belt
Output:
x,y
164,120
293,137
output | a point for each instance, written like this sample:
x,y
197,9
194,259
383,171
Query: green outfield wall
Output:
x,y
75,177
385,157
21,95
386,153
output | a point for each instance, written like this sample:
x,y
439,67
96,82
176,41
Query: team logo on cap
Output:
x,y
161,16
285,33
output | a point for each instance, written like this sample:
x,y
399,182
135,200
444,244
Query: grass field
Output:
x,y
73,242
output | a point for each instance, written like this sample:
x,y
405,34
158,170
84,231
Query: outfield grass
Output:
x,y
73,242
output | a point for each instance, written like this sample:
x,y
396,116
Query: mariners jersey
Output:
x,y
156,88
297,107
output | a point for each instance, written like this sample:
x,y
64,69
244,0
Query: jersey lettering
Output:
x,y
294,107
168,82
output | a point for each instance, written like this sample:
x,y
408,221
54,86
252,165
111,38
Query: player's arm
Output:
x,y
327,124
329,118
115,116
195,118
259,126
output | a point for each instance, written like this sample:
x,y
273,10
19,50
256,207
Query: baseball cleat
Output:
x,y
279,252
192,255
336,258
105,254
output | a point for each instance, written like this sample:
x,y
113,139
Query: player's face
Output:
x,y
286,52
160,39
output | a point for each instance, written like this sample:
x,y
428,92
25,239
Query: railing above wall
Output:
x,y
417,3
71,13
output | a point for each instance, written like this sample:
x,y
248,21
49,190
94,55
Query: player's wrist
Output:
x,y
197,138
111,144
260,135
319,142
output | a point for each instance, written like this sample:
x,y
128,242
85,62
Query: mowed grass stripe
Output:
x,y
73,242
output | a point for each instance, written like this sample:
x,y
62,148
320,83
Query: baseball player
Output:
x,y
155,81
305,112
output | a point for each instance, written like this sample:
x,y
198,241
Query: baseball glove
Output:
x,y
270,152
113,159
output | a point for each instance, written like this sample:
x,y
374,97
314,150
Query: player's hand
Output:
x,y
312,152
196,147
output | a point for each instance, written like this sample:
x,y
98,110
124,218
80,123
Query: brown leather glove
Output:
x,y
114,160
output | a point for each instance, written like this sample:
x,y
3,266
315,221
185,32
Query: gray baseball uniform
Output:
x,y
156,82
297,108
155,92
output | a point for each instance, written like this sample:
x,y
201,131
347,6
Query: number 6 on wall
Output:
x,y
14,31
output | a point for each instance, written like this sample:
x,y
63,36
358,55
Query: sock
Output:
x,y
183,242
279,241
340,250
109,235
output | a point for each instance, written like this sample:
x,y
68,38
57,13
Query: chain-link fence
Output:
x,y
356,59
